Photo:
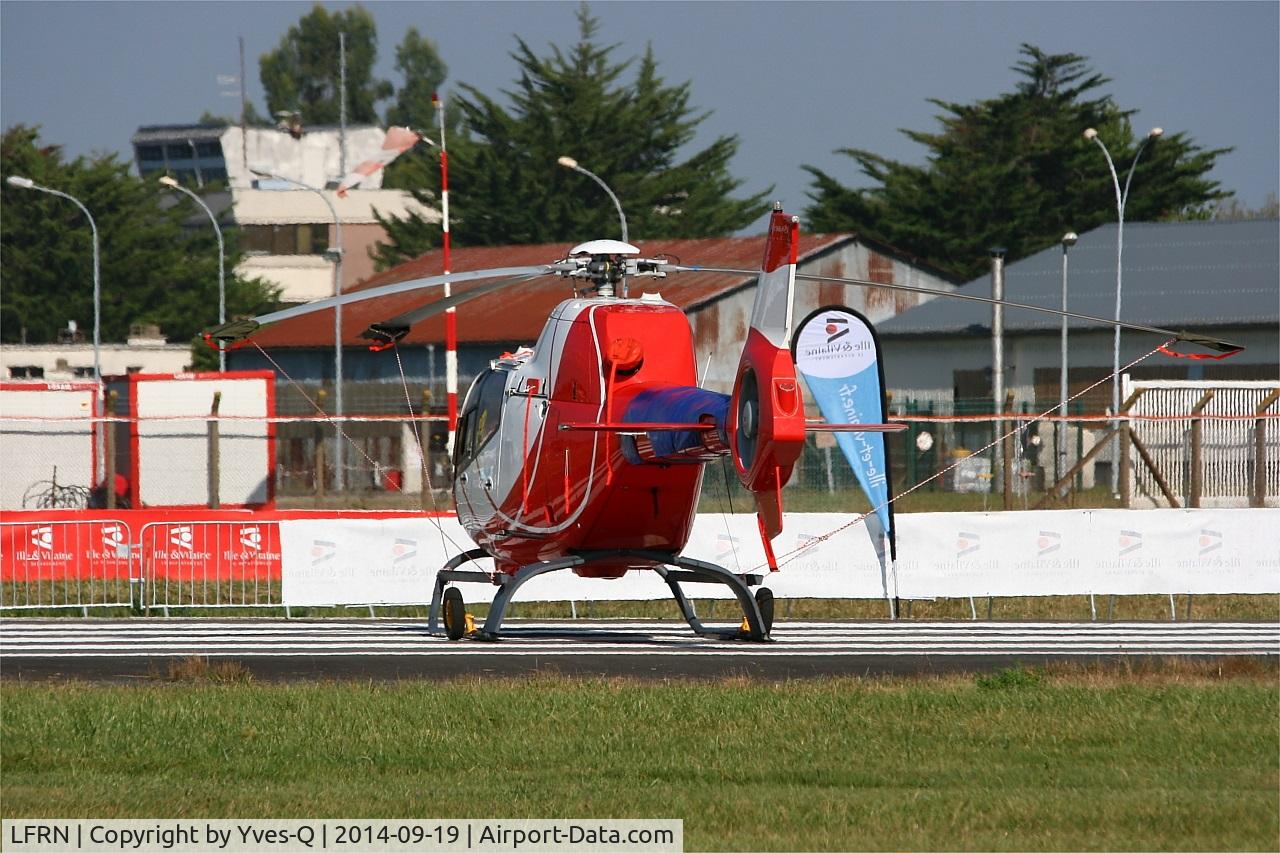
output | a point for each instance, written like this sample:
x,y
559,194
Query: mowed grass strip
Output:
x,y
1016,760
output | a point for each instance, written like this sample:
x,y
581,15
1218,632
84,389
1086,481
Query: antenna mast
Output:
x,y
342,104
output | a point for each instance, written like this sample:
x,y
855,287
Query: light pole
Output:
x,y
28,184
1060,434
222,285
1121,199
570,163
338,455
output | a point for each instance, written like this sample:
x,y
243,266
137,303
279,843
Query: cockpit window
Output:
x,y
481,415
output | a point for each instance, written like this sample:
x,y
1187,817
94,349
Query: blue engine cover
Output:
x,y
675,404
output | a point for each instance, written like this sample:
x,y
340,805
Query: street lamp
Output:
x,y
338,456
222,286
28,184
570,163
1121,199
1060,434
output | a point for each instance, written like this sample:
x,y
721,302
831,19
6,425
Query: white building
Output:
x,y
144,352
287,233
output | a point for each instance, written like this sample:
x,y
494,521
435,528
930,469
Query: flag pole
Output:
x,y
451,315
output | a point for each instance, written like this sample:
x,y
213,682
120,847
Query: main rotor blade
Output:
x,y
237,329
1189,337
397,327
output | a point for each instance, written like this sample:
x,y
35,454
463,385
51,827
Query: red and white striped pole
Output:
x,y
450,315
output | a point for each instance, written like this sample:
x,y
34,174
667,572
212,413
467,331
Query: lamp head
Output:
x,y
1156,133
568,162
1090,133
169,182
1069,239
18,181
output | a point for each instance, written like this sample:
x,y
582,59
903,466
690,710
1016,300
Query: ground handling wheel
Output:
x,y
455,613
764,601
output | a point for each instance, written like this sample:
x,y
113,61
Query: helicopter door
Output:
x,y
476,453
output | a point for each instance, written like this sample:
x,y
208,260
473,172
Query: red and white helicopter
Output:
x,y
586,451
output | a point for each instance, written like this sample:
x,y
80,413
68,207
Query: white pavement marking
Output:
x,y
22,638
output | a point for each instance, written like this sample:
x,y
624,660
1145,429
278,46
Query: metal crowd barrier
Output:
x,y
68,565
211,564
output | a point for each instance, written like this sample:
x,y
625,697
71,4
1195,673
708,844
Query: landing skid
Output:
x,y
674,569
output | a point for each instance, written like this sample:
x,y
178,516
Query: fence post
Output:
x,y
1126,476
319,471
1197,454
109,448
1006,454
426,499
320,454
215,455
1079,484
1126,440
909,450
1259,497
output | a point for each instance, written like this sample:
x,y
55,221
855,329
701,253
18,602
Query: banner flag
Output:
x,y
836,351
397,141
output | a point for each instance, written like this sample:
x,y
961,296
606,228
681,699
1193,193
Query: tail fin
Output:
x,y
766,415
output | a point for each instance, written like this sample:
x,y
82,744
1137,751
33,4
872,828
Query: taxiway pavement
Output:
x,y
114,650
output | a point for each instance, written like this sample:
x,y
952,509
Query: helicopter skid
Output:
x,y
756,627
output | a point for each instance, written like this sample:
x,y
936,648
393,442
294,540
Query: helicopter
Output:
x,y
586,451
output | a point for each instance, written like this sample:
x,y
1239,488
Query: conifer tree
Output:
x,y
506,187
1015,171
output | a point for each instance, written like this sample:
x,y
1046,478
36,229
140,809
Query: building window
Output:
x,y
26,371
82,372
150,153
209,149
286,239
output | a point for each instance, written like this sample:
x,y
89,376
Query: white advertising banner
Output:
x,y
365,561
1075,552
1066,552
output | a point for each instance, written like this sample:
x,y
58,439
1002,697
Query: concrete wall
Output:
x,y
60,360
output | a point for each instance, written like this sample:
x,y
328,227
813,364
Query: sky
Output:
x,y
794,81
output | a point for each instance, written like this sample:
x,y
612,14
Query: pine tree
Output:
x,y
1015,171
505,184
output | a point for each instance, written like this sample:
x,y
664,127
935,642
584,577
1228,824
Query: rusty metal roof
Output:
x,y
518,313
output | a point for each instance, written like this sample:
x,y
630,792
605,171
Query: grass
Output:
x,y
1176,756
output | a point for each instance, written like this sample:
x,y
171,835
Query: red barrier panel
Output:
x,y
175,545
58,549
